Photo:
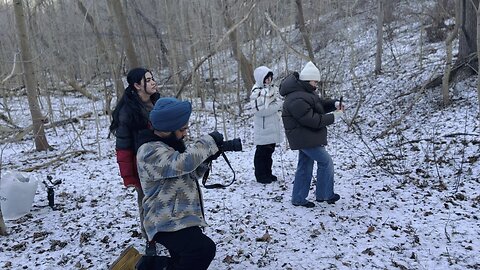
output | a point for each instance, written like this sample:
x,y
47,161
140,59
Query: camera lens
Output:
x,y
232,145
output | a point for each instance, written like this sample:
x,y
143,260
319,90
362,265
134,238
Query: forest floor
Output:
x,y
407,169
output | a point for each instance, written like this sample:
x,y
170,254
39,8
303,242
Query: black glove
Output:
x,y
213,157
218,137
216,155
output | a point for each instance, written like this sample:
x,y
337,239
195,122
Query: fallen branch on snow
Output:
x,y
62,157
22,133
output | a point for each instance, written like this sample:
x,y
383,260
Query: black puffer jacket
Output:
x,y
304,113
129,120
129,125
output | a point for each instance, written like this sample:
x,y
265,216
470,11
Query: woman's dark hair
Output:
x,y
269,75
132,103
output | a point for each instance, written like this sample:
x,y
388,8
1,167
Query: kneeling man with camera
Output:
x,y
169,173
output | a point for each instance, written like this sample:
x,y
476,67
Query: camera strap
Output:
x,y
217,185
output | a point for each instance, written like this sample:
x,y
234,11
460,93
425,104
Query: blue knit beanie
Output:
x,y
170,114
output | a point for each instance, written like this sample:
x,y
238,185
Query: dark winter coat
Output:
x,y
127,140
304,114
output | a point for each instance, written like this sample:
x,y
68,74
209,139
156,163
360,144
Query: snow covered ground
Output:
x,y
410,197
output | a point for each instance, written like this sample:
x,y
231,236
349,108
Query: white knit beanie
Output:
x,y
310,73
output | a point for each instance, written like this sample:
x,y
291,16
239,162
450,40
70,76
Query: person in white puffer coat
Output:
x,y
268,131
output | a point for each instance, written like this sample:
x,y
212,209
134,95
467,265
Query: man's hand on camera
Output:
x,y
213,157
218,137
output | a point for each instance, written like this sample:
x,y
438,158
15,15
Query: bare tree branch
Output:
x,y
301,55
13,68
214,51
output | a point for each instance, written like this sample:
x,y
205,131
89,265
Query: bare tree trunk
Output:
x,y
105,53
38,119
120,18
3,227
158,34
378,56
173,50
478,54
448,62
6,109
117,67
467,31
440,13
388,11
194,56
103,48
304,31
246,69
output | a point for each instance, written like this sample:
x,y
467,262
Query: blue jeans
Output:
x,y
303,175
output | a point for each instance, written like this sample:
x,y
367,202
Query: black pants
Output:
x,y
263,162
189,248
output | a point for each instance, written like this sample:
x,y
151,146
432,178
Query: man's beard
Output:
x,y
177,144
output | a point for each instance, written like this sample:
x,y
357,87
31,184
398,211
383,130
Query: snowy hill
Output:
x,y
406,167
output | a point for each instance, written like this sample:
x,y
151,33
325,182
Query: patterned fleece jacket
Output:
x,y
173,199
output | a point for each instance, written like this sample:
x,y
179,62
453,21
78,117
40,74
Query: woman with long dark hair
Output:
x,y
129,118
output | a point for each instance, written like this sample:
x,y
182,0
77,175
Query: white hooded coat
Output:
x,y
266,103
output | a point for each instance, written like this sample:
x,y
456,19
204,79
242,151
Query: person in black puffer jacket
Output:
x,y
129,118
305,118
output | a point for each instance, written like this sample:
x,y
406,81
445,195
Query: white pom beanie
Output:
x,y
310,73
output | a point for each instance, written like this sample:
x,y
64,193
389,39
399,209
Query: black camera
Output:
x,y
232,145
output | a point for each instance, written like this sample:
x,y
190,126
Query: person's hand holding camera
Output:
x,y
218,138
214,156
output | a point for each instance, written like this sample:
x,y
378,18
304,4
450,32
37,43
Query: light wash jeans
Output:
x,y
303,175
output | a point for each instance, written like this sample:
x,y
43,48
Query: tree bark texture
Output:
x,y
246,69
448,62
3,227
120,19
158,34
173,60
304,31
467,29
478,54
378,55
388,11
102,48
38,119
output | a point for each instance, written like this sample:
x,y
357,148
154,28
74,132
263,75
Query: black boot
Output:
x,y
151,248
150,260
263,163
